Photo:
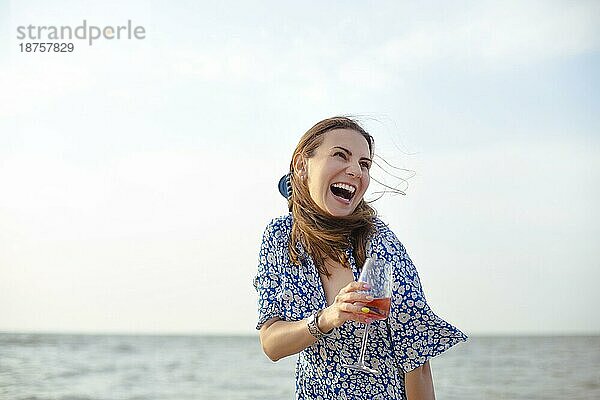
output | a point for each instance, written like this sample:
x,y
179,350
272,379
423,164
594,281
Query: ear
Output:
x,y
300,165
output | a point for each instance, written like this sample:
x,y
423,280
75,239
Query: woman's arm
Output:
x,y
419,384
283,338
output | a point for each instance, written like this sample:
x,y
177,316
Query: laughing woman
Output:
x,y
309,300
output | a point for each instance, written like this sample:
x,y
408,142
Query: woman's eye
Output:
x,y
366,165
339,154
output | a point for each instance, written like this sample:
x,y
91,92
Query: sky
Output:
x,y
137,176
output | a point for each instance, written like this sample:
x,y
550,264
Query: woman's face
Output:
x,y
338,173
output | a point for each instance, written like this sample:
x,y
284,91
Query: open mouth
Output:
x,y
343,191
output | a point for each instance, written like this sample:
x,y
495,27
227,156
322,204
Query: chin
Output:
x,y
341,213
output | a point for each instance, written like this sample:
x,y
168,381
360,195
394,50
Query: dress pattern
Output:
x,y
410,336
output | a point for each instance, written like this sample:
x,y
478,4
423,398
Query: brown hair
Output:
x,y
324,236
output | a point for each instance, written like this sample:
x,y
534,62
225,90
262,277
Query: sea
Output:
x,y
147,367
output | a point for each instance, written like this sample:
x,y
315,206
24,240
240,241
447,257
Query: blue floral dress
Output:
x,y
406,340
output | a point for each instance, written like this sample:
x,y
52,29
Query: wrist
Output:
x,y
314,327
323,322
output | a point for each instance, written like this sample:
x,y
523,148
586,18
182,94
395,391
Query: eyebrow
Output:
x,y
350,153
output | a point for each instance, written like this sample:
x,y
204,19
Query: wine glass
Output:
x,y
378,275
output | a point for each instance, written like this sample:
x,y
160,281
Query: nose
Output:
x,y
354,170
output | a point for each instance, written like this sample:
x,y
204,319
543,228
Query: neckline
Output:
x,y
317,276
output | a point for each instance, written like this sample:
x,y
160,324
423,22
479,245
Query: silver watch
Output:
x,y
313,326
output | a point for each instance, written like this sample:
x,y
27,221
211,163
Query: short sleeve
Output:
x,y
267,281
418,334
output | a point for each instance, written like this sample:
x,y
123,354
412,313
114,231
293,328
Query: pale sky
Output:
x,y
137,176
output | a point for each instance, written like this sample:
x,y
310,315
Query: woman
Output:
x,y
309,301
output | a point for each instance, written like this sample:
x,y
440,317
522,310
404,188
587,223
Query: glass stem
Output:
x,y
361,359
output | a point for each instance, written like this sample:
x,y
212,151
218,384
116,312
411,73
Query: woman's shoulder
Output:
x,y
378,222
381,228
281,222
383,237
279,227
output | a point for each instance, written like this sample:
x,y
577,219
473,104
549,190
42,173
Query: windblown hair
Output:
x,y
324,236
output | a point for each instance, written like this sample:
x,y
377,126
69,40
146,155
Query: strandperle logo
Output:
x,y
83,32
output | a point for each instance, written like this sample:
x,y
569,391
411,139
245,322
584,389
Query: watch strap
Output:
x,y
313,326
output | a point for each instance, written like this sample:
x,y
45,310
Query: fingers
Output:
x,y
349,304
353,297
356,316
354,308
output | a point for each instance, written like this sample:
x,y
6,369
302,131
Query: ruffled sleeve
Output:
x,y
267,281
418,334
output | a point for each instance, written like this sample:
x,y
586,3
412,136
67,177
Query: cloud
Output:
x,y
530,32
502,35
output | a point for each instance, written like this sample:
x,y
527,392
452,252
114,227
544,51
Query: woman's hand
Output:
x,y
348,305
283,338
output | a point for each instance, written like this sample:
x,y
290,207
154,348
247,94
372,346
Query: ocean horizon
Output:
x,y
128,366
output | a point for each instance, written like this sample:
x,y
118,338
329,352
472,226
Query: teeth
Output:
x,y
349,188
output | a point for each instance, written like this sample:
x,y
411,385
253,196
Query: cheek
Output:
x,y
317,179
314,189
366,182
